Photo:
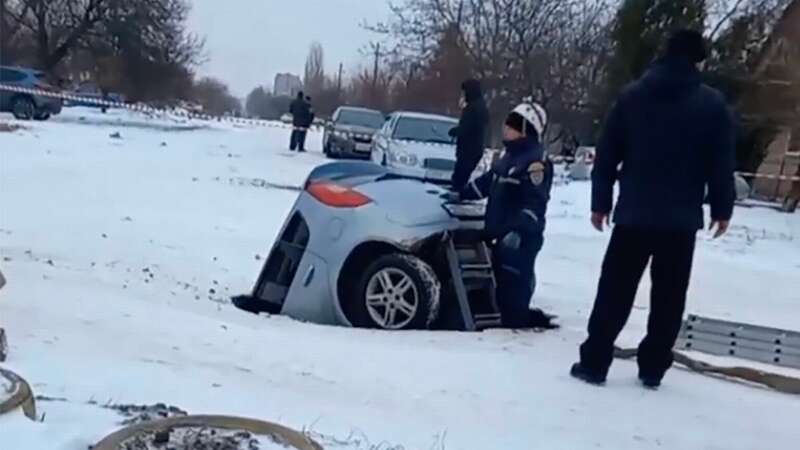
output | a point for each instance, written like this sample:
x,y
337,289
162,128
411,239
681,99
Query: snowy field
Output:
x,y
121,254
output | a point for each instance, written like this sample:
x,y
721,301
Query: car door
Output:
x,y
381,141
8,77
329,128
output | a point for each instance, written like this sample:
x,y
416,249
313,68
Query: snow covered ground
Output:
x,y
121,254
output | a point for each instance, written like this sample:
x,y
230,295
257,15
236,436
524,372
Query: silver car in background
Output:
x,y
350,131
417,145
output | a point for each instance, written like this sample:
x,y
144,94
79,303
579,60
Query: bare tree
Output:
x,y
314,79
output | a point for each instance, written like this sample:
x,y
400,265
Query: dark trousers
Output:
x,y
298,140
465,166
514,273
670,255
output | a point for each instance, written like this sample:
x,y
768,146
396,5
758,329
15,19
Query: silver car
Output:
x,y
363,247
417,145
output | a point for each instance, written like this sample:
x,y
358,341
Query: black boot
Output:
x,y
650,382
582,373
539,319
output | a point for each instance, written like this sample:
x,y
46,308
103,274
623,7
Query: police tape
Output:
x,y
143,108
769,176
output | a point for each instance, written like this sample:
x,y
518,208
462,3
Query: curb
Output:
x,y
288,436
21,395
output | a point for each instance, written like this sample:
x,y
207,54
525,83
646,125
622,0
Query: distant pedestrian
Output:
x,y
298,111
668,139
308,120
470,134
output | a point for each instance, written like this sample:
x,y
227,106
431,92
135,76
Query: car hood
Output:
x,y
425,149
355,129
407,202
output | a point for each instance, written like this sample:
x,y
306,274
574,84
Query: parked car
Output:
x,y
27,106
362,247
417,145
350,132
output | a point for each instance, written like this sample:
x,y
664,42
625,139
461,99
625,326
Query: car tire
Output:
x,y
23,108
329,151
42,116
397,292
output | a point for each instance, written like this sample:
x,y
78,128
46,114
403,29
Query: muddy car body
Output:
x,y
362,247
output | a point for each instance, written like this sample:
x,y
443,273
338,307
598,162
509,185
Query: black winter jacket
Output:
x,y
471,132
667,139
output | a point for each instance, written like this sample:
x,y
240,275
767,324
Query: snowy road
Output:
x,y
121,253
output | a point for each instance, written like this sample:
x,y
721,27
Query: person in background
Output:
x,y
470,134
298,111
518,187
308,120
667,139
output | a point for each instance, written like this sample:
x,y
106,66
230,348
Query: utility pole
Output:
x,y
375,69
338,80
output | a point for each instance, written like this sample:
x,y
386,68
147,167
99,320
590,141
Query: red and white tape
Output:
x,y
768,176
138,107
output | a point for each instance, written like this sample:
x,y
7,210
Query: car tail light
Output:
x,y
337,196
43,86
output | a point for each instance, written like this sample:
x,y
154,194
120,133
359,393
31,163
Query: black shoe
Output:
x,y
650,382
539,319
580,372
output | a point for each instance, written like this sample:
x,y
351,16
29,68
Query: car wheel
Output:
x,y
329,151
42,116
23,108
397,292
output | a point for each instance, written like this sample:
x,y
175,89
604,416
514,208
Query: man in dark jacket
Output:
x,y
298,111
470,134
668,139
308,120
518,187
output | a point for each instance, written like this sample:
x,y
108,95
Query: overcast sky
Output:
x,y
249,41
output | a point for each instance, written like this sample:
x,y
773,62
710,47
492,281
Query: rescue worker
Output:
x,y
674,137
470,134
298,111
518,188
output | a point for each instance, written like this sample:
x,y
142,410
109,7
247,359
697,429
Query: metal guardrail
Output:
x,y
751,342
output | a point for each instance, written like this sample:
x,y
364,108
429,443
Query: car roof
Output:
x,y
27,70
424,116
359,109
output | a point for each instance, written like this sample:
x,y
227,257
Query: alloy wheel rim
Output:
x,y
392,298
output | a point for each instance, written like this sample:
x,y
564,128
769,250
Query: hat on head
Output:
x,y
688,44
528,116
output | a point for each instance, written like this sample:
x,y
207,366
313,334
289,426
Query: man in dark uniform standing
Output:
x,y
298,111
668,139
470,134
518,188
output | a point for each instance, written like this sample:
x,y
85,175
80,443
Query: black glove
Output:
x,y
511,241
453,132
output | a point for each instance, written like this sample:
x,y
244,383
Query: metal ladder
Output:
x,y
474,284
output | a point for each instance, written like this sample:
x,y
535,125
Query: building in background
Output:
x,y
287,85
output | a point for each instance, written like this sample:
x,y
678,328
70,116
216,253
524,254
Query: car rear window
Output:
x,y
367,119
424,130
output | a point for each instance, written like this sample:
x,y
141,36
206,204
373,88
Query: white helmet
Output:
x,y
533,113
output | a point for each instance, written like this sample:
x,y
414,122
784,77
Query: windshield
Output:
x,y
424,130
367,119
